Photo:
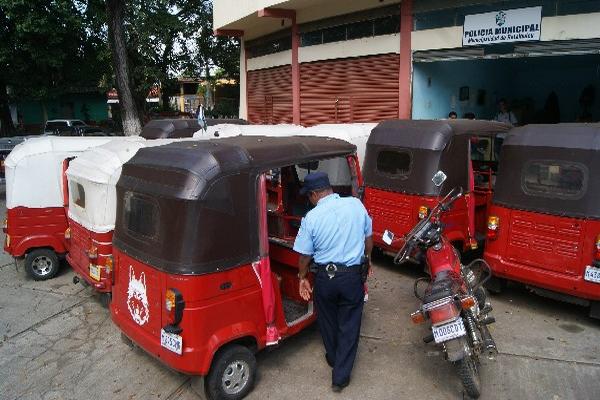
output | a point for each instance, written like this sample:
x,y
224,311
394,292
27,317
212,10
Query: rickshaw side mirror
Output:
x,y
439,178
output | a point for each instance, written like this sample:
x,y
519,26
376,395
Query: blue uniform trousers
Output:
x,y
339,303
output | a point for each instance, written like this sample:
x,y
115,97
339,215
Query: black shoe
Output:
x,y
328,360
340,387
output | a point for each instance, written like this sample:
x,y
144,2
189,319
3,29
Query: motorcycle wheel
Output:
x,y
469,375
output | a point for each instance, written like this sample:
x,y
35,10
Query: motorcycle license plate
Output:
x,y
95,272
592,274
452,330
171,341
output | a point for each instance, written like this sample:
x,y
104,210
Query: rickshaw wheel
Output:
x,y
41,264
232,374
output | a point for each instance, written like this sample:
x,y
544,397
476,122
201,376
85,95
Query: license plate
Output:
x,y
171,341
592,274
95,272
445,332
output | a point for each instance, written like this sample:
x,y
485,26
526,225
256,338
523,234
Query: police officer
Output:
x,y
336,234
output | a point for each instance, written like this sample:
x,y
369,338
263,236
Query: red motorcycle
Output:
x,y
453,299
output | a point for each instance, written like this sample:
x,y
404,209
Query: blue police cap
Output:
x,y
315,181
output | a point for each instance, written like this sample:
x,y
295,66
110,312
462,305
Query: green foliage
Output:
x,y
48,48
52,47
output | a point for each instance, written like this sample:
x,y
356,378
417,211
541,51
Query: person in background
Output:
x,y
201,117
469,115
452,115
504,114
337,235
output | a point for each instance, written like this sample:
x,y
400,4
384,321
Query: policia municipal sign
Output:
x,y
518,25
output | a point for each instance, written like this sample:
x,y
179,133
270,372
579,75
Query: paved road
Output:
x,y
58,342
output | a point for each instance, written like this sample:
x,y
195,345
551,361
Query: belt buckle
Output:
x,y
331,269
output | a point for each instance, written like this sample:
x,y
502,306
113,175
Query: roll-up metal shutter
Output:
x,y
270,95
363,89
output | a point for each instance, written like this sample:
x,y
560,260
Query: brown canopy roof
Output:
x,y
569,136
430,134
201,196
567,144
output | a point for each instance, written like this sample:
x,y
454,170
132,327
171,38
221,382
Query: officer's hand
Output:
x,y
305,289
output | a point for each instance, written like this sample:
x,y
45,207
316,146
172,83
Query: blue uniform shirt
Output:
x,y
335,231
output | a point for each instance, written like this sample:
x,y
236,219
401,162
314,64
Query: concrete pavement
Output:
x,y
58,342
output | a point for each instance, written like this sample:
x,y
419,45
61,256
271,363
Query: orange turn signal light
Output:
x,y
467,302
417,317
92,253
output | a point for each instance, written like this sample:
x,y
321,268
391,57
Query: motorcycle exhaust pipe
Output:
x,y
489,345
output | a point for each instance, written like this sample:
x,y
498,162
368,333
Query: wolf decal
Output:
x,y
137,300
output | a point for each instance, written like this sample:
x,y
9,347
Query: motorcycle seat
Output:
x,y
443,285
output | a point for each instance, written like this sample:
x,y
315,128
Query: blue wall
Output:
x,y
525,82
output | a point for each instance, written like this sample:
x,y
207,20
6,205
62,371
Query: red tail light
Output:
x,y
442,311
597,255
174,306
493,227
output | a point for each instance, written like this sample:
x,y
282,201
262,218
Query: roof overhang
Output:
x,y
235,18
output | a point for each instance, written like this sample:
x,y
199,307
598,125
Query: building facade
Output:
x,y
321,61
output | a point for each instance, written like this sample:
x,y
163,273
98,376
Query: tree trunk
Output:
x,y
130,116
7,128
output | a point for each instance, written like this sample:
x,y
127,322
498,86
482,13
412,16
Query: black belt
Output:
x,y
332,269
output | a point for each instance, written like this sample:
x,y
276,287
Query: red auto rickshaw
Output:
x,y
204,271
401,157
36,219
544,222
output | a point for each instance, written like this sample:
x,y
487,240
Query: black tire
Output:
x,y
105,299
469,375
495,285
232,374
127,341
42,264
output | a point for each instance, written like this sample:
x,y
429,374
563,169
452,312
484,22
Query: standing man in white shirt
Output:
x,y
505,115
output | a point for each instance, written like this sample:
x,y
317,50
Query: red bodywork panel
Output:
x,y
31,228
399,213
81,241
219,308
544,250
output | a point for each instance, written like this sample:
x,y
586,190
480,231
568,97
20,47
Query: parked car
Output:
x,y
55,126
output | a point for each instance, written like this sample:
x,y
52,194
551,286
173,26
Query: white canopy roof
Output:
x,y
34,169
357,134
93,177
229,130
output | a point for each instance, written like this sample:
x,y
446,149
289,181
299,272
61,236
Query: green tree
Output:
x,y
211,55
46,50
